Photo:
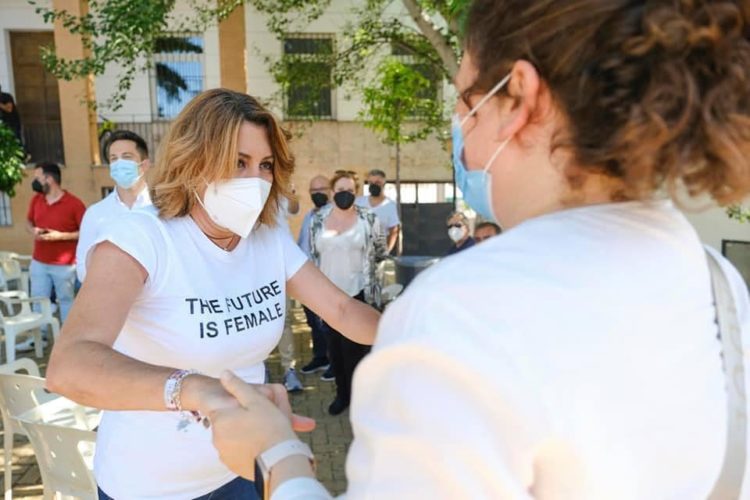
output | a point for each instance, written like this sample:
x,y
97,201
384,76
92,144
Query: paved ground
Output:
x,y
329,441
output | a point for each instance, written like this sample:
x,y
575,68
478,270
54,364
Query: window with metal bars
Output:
x,y
310,72
408,57
178,73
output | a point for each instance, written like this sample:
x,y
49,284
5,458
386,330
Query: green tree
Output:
x,y
11,161
118,33
402,106
124,34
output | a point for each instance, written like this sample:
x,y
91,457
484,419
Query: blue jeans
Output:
x,y
238,489
46,277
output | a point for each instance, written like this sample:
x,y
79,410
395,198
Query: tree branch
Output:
x,y
435,38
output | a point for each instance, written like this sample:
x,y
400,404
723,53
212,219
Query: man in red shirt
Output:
x,y
54,219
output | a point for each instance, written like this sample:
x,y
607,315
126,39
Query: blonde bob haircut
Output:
x,y
201,147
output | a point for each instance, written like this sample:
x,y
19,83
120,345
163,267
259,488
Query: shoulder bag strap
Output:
x,y
729,484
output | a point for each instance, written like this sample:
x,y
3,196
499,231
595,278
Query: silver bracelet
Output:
x,y
172,401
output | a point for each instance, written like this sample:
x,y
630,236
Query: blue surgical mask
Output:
x,y
476,185
124,172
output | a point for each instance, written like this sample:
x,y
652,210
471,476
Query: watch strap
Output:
x,y
280,451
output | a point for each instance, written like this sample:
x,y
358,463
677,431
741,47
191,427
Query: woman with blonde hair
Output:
x,y
575,357
177,294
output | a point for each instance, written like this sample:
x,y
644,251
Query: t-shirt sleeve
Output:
x,y
393,219
85,239
294,257
137,234
301,488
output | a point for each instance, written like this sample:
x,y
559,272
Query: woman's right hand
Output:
x,y
206,395
263,420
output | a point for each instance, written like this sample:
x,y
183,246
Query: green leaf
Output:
x,y
402,105
12,158
739,213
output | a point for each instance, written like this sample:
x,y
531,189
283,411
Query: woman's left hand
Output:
x,y
264,419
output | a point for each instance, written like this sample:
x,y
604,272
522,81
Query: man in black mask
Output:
x,y
320,193
54,219
384,207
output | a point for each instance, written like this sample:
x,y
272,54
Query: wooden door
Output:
x,y
37,96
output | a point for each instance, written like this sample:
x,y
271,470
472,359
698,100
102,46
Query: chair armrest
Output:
x,y
44,302
8,297
18,256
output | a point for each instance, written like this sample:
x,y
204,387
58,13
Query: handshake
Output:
x,y
246,420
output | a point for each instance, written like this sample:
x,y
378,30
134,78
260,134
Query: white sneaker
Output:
x,y
28,345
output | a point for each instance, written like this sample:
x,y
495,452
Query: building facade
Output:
x,y
59,126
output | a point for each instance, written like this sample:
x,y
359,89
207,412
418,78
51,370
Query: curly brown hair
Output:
x,y
656,92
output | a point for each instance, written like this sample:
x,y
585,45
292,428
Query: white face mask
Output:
x,y
236,204
455,234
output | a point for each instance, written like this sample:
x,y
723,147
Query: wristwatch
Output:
x,y
275,454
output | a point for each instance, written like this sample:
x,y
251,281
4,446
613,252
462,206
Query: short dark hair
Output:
x,y
52,169
484,224
127,135
377,172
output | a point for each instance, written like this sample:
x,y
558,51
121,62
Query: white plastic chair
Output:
x,y
62,435
65,457
19,319
12,271
18,394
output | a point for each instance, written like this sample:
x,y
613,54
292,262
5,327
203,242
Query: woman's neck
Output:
x,y
222,238
580,189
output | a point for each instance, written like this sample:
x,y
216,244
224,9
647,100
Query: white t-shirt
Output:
x,y
201,308
387,211
342,257
97,216
572,357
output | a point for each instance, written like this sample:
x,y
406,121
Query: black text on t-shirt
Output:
x,y
238,313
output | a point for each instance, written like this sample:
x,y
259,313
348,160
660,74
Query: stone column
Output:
x,y
232,51
79,128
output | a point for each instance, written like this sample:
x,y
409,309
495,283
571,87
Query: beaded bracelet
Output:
x,y
172,393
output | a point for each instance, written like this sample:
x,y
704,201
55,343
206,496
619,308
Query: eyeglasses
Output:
x,y
457,224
